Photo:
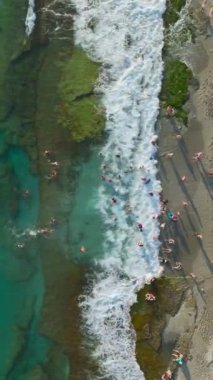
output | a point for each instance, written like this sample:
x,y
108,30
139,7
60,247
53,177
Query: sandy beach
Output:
x,y
195,254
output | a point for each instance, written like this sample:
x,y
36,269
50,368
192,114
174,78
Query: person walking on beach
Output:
x,y
183,179
178,357
197,235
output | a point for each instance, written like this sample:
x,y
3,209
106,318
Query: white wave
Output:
x,y
126,36
180,34
30,18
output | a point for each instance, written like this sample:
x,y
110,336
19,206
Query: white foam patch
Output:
x,y
30,18
180,35
126,36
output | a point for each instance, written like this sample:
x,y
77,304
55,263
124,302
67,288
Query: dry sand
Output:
x,y
196,255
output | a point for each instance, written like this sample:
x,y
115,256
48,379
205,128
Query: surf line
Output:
x,y
126,36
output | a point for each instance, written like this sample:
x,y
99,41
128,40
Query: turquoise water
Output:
x,y
21,278
86,227
21,281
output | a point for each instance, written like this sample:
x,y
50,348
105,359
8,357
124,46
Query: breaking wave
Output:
x,y
126,36
30,18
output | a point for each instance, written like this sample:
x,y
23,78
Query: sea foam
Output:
x,y
30,18
126,36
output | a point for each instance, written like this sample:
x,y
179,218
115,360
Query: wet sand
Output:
x,y
196,255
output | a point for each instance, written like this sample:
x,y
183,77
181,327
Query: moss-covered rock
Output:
x,y
149,319
79,109
177,75
175,85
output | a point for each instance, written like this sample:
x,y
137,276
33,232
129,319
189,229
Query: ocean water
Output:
x,y
21,277
21,280
126,37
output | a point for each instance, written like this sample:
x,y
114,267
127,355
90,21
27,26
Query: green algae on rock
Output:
x,y
177,75
175,84
149,320
79,110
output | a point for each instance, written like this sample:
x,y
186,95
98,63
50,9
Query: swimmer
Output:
x,y
26,193
20,245
52,175
140,244
52,222
114,200
83,249
44,231
46,153
140,226
55,163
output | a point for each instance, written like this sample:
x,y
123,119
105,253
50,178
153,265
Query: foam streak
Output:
x,y
30,18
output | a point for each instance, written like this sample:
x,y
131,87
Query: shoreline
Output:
x,y
197,217
187,328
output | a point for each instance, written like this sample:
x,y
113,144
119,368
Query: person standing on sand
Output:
x,y
197,235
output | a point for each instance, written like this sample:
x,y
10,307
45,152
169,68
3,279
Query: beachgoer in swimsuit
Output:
x,y
170,241
167,250
197,235
170,111
178,357
185,204
150,297
174,218
167,375
178,265
183,178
